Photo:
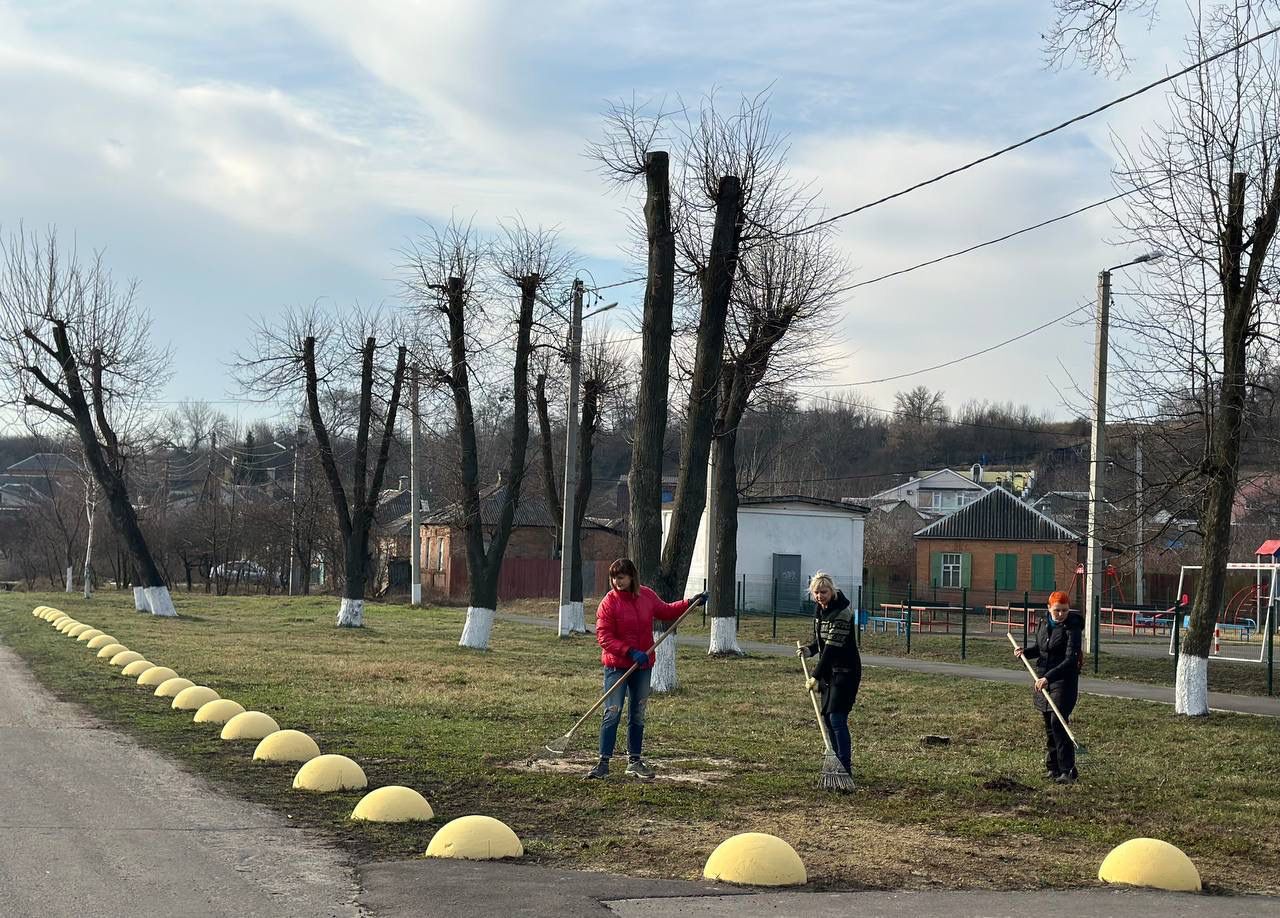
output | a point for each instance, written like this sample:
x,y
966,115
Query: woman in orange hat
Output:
x,y
1057,657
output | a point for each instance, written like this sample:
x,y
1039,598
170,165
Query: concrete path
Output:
x,y
1112,688
93,824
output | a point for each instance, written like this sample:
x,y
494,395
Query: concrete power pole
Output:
x,y
571,617
1093,572
415,512
293,513
1139,566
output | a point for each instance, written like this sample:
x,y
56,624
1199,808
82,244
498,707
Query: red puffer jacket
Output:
x,y
624,622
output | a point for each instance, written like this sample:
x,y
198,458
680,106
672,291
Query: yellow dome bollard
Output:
x,y
125,657
100,641
475,838
85,636
218,711
1150,862
57,618
755,859
170,688
194,697
136,668
39,611
111,650
76,630
247,725
286,746
155,675
326,773
393,804
66,624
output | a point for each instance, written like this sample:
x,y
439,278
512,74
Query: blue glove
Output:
x,y
639,657
700,599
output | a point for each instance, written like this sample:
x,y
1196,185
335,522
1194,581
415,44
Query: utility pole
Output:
x,y
293,512
415,521
1139,567
567,618
1097,458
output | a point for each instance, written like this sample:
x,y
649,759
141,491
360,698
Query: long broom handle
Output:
x,y
1047,697
817,712
662,637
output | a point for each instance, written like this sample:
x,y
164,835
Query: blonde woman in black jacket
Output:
x,y
839,670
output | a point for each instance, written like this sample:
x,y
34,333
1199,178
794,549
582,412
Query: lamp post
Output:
x,y
1098,444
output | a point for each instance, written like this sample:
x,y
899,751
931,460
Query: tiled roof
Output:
x,y
530,511
998,516
41,463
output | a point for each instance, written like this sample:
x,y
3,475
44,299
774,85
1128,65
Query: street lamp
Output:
x,y
1098,442
567,617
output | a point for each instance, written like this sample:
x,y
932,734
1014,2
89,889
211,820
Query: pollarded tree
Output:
x,y
78,353
326,356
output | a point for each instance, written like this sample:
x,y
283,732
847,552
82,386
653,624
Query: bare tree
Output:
x,y
79,354
1198,331
461,285
321,354
1087,32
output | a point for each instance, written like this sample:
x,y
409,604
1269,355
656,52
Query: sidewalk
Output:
x,y
1112,688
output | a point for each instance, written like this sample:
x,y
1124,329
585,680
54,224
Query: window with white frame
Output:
x,y
951,569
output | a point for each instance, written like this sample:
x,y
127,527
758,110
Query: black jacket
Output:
x,y
835,642
1057,656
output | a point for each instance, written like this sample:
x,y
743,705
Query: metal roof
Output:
x,y
998,516
847,505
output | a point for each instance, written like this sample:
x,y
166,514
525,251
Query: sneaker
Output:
x,y
1050,775
601,770
1068,777
637,768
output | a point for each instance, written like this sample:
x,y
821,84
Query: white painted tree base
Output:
x,y
351,613
159,602
140,600
475,633
1191,689
71,579
572,619
415,594
724,637
664,666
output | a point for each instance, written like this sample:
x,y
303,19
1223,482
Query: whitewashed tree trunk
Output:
x,y
89,507
351,613
572,619
724,636
475,633
71,578
1191,689
664,665
140,600
159,602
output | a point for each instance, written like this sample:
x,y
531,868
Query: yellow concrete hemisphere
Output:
x,y
136,668
252,725
394,804
1150,862
88,635
475,838
155,675
125,657
102,640
77,629
218,711
193,698
755,859
170,688
66,624
111,650
326,773
286,746
56,618
39,611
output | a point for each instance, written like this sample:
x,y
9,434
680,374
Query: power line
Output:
x,y
1034,137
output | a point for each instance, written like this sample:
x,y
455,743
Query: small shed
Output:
x,y
782,542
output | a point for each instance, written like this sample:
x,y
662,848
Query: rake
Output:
x,y
834,775
560,745
1080,750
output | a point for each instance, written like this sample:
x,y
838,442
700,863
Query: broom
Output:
x,y
1080,750
834,776
560,745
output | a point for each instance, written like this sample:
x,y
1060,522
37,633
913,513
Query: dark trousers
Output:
x,y
838,729
1059,753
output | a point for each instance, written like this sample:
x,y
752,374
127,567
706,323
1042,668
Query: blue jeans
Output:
x,y
637,687
838,728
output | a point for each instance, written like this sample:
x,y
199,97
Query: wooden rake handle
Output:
x,y
813,696
1047,697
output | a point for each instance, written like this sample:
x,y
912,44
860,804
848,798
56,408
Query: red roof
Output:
x,y
1269,547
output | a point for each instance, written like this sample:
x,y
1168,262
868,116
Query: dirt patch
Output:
x,y
1005,783
676,771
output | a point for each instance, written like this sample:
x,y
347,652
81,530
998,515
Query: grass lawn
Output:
x,y
736,749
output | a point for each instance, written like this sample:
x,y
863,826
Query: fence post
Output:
x,y
908,618
704,605
1026,617
964,621
1271,645
744,592
1177,628
857,615
995,592
935,591
1097,633
775,607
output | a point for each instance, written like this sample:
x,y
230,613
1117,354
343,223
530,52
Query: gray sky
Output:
x,y
240,157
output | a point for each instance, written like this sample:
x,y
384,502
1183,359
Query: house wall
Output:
x,y
829,540
1066,556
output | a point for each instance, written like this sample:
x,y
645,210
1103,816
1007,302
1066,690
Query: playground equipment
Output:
x,y
1248,621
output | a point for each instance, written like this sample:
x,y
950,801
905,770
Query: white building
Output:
x,y
787,539
935,493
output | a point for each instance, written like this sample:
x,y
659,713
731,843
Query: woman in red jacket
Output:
x,y
624,629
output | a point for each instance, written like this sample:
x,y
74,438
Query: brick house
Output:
x,y
996,545
531,564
